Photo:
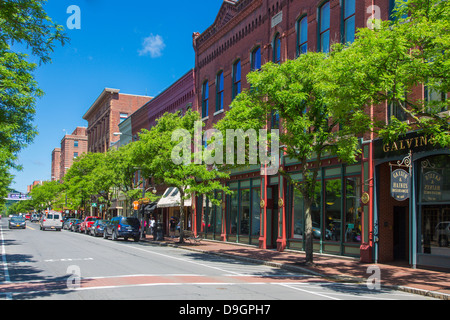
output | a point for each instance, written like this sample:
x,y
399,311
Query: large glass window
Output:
x,y
395,110
234,210
434,196
236,78
332,210
218,215
219,91
349,21
299,213
244,214
205,99
324,31
256,221
298,224
353,210
302,36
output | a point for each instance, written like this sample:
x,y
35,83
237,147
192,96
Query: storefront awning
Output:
x,y
150,207
171,199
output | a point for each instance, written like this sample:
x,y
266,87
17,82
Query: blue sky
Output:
x,y
140,47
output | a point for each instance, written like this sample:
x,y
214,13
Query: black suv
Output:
x,y
123,227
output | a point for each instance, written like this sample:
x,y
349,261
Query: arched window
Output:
x,y
236,78
205,99
219,91
302,35
324,24
277,49
256,59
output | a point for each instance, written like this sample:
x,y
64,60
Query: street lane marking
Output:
x,y
28,227
5,263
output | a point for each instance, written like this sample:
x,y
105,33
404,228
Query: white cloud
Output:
x,y
153,46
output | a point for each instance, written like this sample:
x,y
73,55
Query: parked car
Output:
x,y
442,233
34,218
75,225
87,223
51,220
67,223
123,227
98,227
17,222
28,216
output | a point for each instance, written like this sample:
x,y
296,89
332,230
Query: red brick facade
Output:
x,y
72,146
105,114
56,164
179,96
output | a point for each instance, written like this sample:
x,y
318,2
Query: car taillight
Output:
x,y
118,227
43,220
98,227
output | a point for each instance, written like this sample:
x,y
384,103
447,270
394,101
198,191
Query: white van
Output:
x,y
52,220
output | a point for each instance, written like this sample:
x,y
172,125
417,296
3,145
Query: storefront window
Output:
x,y
332,206
434,193
353,210
298,223
245,212
218,215
256,199
234,212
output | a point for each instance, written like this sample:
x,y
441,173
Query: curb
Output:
x,y
422,292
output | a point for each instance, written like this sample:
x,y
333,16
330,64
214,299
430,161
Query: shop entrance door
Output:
x,y
272,216
400,233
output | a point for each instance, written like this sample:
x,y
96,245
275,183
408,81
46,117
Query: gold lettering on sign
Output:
x,y
415,142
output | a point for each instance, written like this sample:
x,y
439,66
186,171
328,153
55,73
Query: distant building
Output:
x,y
72,146
105,115
56,164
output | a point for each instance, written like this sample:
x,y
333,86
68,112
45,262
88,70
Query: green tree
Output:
x,y
27,24
154,154
80,180
385,65
299,92
48,194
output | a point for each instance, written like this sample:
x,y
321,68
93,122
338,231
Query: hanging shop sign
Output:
x,y
400,184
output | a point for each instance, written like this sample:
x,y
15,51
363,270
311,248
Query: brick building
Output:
x,y
105,115
56,164
361,219
72,146
180,96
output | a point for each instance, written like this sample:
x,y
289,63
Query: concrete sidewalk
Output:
x,y
418,281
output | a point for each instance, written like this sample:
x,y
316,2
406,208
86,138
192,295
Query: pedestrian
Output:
x,y
172,227
153,227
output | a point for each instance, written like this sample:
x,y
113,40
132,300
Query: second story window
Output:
x,y
324,30
75,143
219,91
256,59
236,78
123,117
349,21
302,36
205,99
277,49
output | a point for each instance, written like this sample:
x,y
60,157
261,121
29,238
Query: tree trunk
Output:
x,y
308,233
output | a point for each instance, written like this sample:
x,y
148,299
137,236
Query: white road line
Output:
x,y
172,257
5,263
310,292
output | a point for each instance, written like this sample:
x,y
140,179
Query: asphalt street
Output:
x,y
54,265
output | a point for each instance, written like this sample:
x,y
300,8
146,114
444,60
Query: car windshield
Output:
x,y
130,222
17,219
92,219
